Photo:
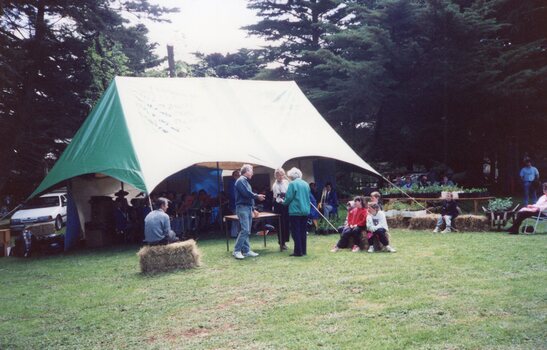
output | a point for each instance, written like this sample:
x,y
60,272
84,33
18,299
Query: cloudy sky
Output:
x,y
204,25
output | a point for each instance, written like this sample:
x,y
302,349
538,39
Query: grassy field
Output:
x,y
444,291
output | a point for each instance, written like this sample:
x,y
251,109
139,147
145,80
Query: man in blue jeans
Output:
x,y
245,200
528,174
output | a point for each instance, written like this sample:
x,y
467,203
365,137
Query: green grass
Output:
x,y
453,291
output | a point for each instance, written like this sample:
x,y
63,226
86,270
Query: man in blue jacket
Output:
x,y
245,200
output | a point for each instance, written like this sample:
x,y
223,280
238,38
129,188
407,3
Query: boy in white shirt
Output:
x,y
377,225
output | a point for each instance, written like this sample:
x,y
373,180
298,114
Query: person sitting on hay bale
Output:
x,y
157,227
529,211
377,225
449,212
356,222
375,198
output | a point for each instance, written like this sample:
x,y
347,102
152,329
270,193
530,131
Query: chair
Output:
x,y
540,217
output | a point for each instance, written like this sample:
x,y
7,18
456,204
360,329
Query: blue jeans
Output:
x,y
245,215
529,192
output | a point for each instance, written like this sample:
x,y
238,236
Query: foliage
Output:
x,y
56,58
430,294
499,204
399,205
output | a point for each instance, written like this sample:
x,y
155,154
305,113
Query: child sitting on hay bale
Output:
x,y
163,258
449,212
377,225
356,222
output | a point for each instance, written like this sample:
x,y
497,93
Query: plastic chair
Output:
x,y
541,217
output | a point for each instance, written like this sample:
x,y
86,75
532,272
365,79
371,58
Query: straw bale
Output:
x,y
398,222
472,223
163,258
426,222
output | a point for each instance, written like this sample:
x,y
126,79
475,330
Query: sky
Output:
x,y
204,25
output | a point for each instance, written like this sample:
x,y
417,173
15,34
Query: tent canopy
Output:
x,y
144,129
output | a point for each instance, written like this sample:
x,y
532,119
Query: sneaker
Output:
x,y
335,249
436,230
390,249
371,249
251,254
356,249
447,230
238,255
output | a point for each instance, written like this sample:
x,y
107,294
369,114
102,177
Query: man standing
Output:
x,y
157,228
245,200
528,175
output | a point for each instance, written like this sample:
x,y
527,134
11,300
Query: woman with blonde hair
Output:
x,y
279,189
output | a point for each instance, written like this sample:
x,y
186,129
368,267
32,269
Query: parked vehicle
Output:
x,y
49,208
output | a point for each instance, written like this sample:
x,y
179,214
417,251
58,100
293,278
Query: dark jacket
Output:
x,y
450,208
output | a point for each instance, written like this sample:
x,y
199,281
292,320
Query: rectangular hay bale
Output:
x,y
398,222
426,222
472,223
175,256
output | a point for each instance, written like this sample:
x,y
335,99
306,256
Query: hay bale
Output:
x,y
398,222
163,258
472,223
426,222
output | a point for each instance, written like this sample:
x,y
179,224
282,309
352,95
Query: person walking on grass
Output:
x,y
245,200
377,225
356,223
298,201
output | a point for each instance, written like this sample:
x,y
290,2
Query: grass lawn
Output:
x,y
444,291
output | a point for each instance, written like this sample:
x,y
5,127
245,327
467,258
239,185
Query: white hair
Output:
x,y
245,168
294,173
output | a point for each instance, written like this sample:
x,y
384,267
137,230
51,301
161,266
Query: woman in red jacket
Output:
x,y
357,221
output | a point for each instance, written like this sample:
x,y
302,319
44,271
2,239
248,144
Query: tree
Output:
x,y
53,56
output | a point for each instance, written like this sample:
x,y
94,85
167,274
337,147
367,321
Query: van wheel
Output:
x,y
58,222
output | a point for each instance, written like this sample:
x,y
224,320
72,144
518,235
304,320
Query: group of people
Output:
x,y
365,217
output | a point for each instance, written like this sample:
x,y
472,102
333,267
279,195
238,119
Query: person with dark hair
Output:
x,y
377,225
157,227
329,200
449,212
528,175
356,223
529,211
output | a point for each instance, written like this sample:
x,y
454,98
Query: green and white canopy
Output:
x,y
145,129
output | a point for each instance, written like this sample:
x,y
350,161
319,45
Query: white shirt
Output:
x,y
374,222
279,189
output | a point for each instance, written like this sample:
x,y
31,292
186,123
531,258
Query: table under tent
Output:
x,y
144,130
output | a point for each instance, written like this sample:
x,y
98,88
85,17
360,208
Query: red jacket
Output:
x,y
357,216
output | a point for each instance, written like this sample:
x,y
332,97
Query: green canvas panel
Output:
x,y
104,143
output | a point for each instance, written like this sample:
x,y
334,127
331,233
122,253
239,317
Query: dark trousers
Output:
x,y
298,228
381,234
521,215
347,233
283,210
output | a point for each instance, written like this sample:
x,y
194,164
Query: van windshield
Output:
x,y
42,202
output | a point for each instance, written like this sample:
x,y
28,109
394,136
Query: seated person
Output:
x,y
408,183
157,227
356,222
377,225
529,211
349,206
446,182
375,198
329,200
424,182
449,212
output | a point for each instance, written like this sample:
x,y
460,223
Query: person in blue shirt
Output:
x,y
157,227
245,200
529,174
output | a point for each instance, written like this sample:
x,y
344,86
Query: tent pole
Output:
x,y
149,201
219,197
